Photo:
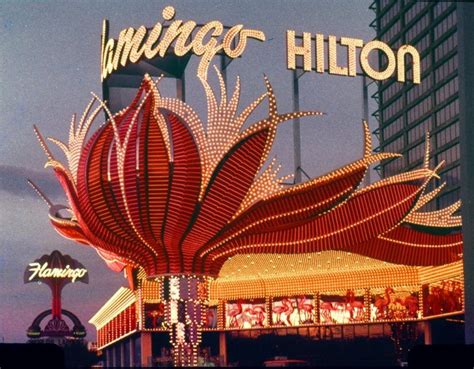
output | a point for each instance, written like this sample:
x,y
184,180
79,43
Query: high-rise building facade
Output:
x,y
407,111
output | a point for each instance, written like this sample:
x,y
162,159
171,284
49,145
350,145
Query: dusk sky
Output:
x,y
49,64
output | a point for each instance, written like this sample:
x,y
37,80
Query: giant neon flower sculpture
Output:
x,y
153,188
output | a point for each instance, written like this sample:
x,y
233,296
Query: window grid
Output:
x,y
447,90
449,198
445,25
450,155
393,128
448,134
448,112
446,69
452,177
420,130
390,14
419,110
446,46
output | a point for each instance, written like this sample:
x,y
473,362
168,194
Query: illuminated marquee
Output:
x,y
157,189
133,44
395,61
42,271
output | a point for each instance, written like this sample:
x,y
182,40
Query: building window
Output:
x,y
446,91
447,113
392,109
391,13
393,167
452,177
450,155
395,146
414,10
449,198
397,44
391,32
393,128
423,43
426,62
384,3
440,7
417,90
420,25
420,130
416,153
391,91
446,46
445,25
419,110
447,134
431,206
446,69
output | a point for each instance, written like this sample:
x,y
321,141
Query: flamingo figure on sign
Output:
x,y
352,304
233,313
278,310
307,310
326,308
259,312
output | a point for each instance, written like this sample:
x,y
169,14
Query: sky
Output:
x,y
49,64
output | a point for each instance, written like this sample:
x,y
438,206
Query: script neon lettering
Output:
x,y
133,44
42,271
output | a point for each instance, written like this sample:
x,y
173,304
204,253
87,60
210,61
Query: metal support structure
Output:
x,y
122,354
428,337
296,127
132,351
224,64
298,169
365,116
185,298
108,357
222,349
146,353
181,87
465,14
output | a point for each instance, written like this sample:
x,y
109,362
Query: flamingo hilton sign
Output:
x,y
161,193
209,39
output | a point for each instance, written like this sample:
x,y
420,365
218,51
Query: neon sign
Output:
x,y
42,271
393,62
211,38
133,44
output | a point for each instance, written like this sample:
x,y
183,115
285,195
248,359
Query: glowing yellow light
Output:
x,y
168,13
332,50
415,61
293,50
133,44
352,44
364,60
319,53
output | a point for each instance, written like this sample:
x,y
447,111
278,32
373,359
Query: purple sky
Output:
x,y
50,63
